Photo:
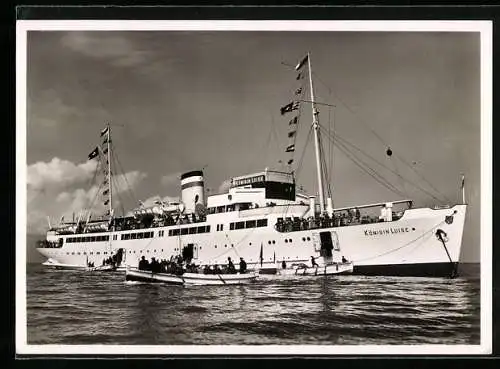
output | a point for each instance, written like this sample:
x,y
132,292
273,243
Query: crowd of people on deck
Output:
x,y
177,265
340,219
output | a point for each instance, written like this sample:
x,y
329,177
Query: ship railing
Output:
x,y
304,224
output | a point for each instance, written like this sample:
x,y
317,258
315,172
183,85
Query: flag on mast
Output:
x,y
463,181
104,131
302,62
94,153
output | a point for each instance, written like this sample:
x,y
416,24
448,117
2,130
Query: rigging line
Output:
x,y
134,197
422,177
386,184
374,175
339,138
381,178
299,167
380,138
367,168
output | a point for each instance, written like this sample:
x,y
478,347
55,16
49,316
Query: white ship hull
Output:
x,y
408,246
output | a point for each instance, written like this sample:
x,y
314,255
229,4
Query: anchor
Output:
x,y
441,235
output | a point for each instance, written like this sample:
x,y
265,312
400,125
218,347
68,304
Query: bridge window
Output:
x,y
184,230
192,230
133,236
239,225
231,226
221,209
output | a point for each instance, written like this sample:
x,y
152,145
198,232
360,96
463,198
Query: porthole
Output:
x,y
269,242
309,238
155,250
274,241
286,241
225,246
290,240
303,239
147,251
215,246
250,243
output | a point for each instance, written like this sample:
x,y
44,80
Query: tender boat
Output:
x,y
322,270
134,274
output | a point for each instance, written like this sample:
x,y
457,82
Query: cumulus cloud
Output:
x,y
62,188
59,174
110,47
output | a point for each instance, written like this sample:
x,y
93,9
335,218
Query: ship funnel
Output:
x,y
192,190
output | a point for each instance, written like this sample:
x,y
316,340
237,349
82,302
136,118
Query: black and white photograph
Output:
x,y
242,187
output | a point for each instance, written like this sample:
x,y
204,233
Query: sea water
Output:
x,y
76,307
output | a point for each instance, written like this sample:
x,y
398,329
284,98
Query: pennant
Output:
x,y
463,181
298,91
105,150
106,203
94,153
290,162
290,148
293,121
105,192
291,134
302,62
104,131
300,76
294,105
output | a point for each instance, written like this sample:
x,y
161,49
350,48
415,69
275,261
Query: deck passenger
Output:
x,y
344,260
243,266
283,264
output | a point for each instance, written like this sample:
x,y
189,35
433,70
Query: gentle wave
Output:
x,y
74,307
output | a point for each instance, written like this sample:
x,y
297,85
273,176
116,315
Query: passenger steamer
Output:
x,y
263,219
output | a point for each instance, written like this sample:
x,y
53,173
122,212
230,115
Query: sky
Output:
x,y
180,101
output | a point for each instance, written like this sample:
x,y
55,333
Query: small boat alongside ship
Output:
x,y
264,210
302,269
187,278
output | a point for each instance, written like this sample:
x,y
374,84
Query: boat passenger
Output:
x,y
313,262
344,260
230,266
243,266
283,264
143,263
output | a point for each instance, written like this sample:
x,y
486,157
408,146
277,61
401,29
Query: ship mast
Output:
x,y
110,187
315,124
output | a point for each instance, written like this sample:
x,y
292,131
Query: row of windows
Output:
x,y
87,239
189,230
137,235
248,224
171,232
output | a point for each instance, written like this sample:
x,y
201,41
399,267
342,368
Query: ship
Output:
x,y
265,219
